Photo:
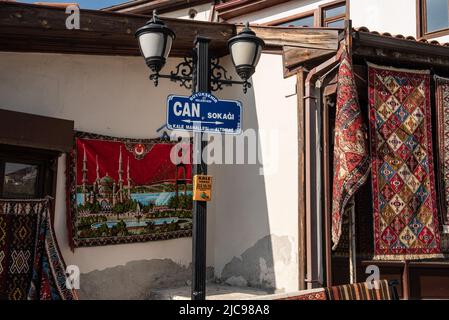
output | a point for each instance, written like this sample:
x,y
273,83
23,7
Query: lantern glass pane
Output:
x,y
168,47
259,53
243,52
152,44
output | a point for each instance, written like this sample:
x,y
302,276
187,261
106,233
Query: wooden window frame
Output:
x,y
421,23
46,161
322,20
305,14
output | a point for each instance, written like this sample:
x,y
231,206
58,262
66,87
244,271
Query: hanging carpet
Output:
x,y
31,266
351,158
403,182
442,104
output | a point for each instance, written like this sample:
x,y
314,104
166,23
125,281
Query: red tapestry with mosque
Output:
x,y
128,190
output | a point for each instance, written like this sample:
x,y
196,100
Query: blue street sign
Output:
x,y
202,112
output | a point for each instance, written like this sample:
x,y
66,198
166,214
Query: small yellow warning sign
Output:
x,y
202,187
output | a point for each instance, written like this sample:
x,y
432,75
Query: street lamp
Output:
x,y
200,73
245,49
155,41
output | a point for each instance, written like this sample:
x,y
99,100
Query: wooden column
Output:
x,y
327,193
406,281
300,78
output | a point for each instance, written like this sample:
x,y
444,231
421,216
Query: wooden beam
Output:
x,y
313,38
294,56
29,130
300,78
393,56
404,46
232,9
25,27
162,6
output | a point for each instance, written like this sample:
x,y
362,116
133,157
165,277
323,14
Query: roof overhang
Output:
x,y
394,49
147,6
235,8
300,46
37,28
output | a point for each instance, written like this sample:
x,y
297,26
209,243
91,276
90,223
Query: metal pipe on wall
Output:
x,y
314,179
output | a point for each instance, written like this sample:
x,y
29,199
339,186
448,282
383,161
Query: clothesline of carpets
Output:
x,y
400,159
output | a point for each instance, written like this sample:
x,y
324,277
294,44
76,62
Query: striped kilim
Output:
x,y
308,295
18,223
376,290
442,104
404,199
31,266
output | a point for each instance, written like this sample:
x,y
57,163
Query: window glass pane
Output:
x,y
336,24
334,11
301,22
437,15
20,180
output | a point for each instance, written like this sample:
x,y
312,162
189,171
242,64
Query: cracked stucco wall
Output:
x,y
256,216
135,280
261,264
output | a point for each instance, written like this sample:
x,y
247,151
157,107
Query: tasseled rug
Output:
x,y
31,265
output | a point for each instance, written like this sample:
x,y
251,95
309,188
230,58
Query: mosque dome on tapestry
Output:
x,y
106,184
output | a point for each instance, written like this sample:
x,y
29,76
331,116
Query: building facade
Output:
x,y
265,229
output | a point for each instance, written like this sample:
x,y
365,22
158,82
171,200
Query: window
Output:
x,y
333,15
26,173
433,19
304,19
20,180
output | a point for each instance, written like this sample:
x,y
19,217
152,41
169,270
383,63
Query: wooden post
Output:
x,y
406,281
300,79
352,244
327,193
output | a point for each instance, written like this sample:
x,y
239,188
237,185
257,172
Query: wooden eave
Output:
x,y
34,131
147,6
235,8
397,50
299,46
37,28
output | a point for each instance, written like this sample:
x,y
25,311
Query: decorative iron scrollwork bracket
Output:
x,y
184,73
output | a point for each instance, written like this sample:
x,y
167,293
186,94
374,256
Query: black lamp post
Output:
x,y
200,73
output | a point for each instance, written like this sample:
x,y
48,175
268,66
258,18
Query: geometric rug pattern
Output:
x,y
351,155
31,265
442,104
404,200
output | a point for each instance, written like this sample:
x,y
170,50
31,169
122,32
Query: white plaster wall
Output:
x,y
395,17
250,206
113,96
443,39
203,13
280,11
105,95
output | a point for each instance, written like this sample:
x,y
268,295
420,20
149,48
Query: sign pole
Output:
x,y
202,84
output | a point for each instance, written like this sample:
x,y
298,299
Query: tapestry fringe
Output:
x,y
439,78
373,65
405,257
